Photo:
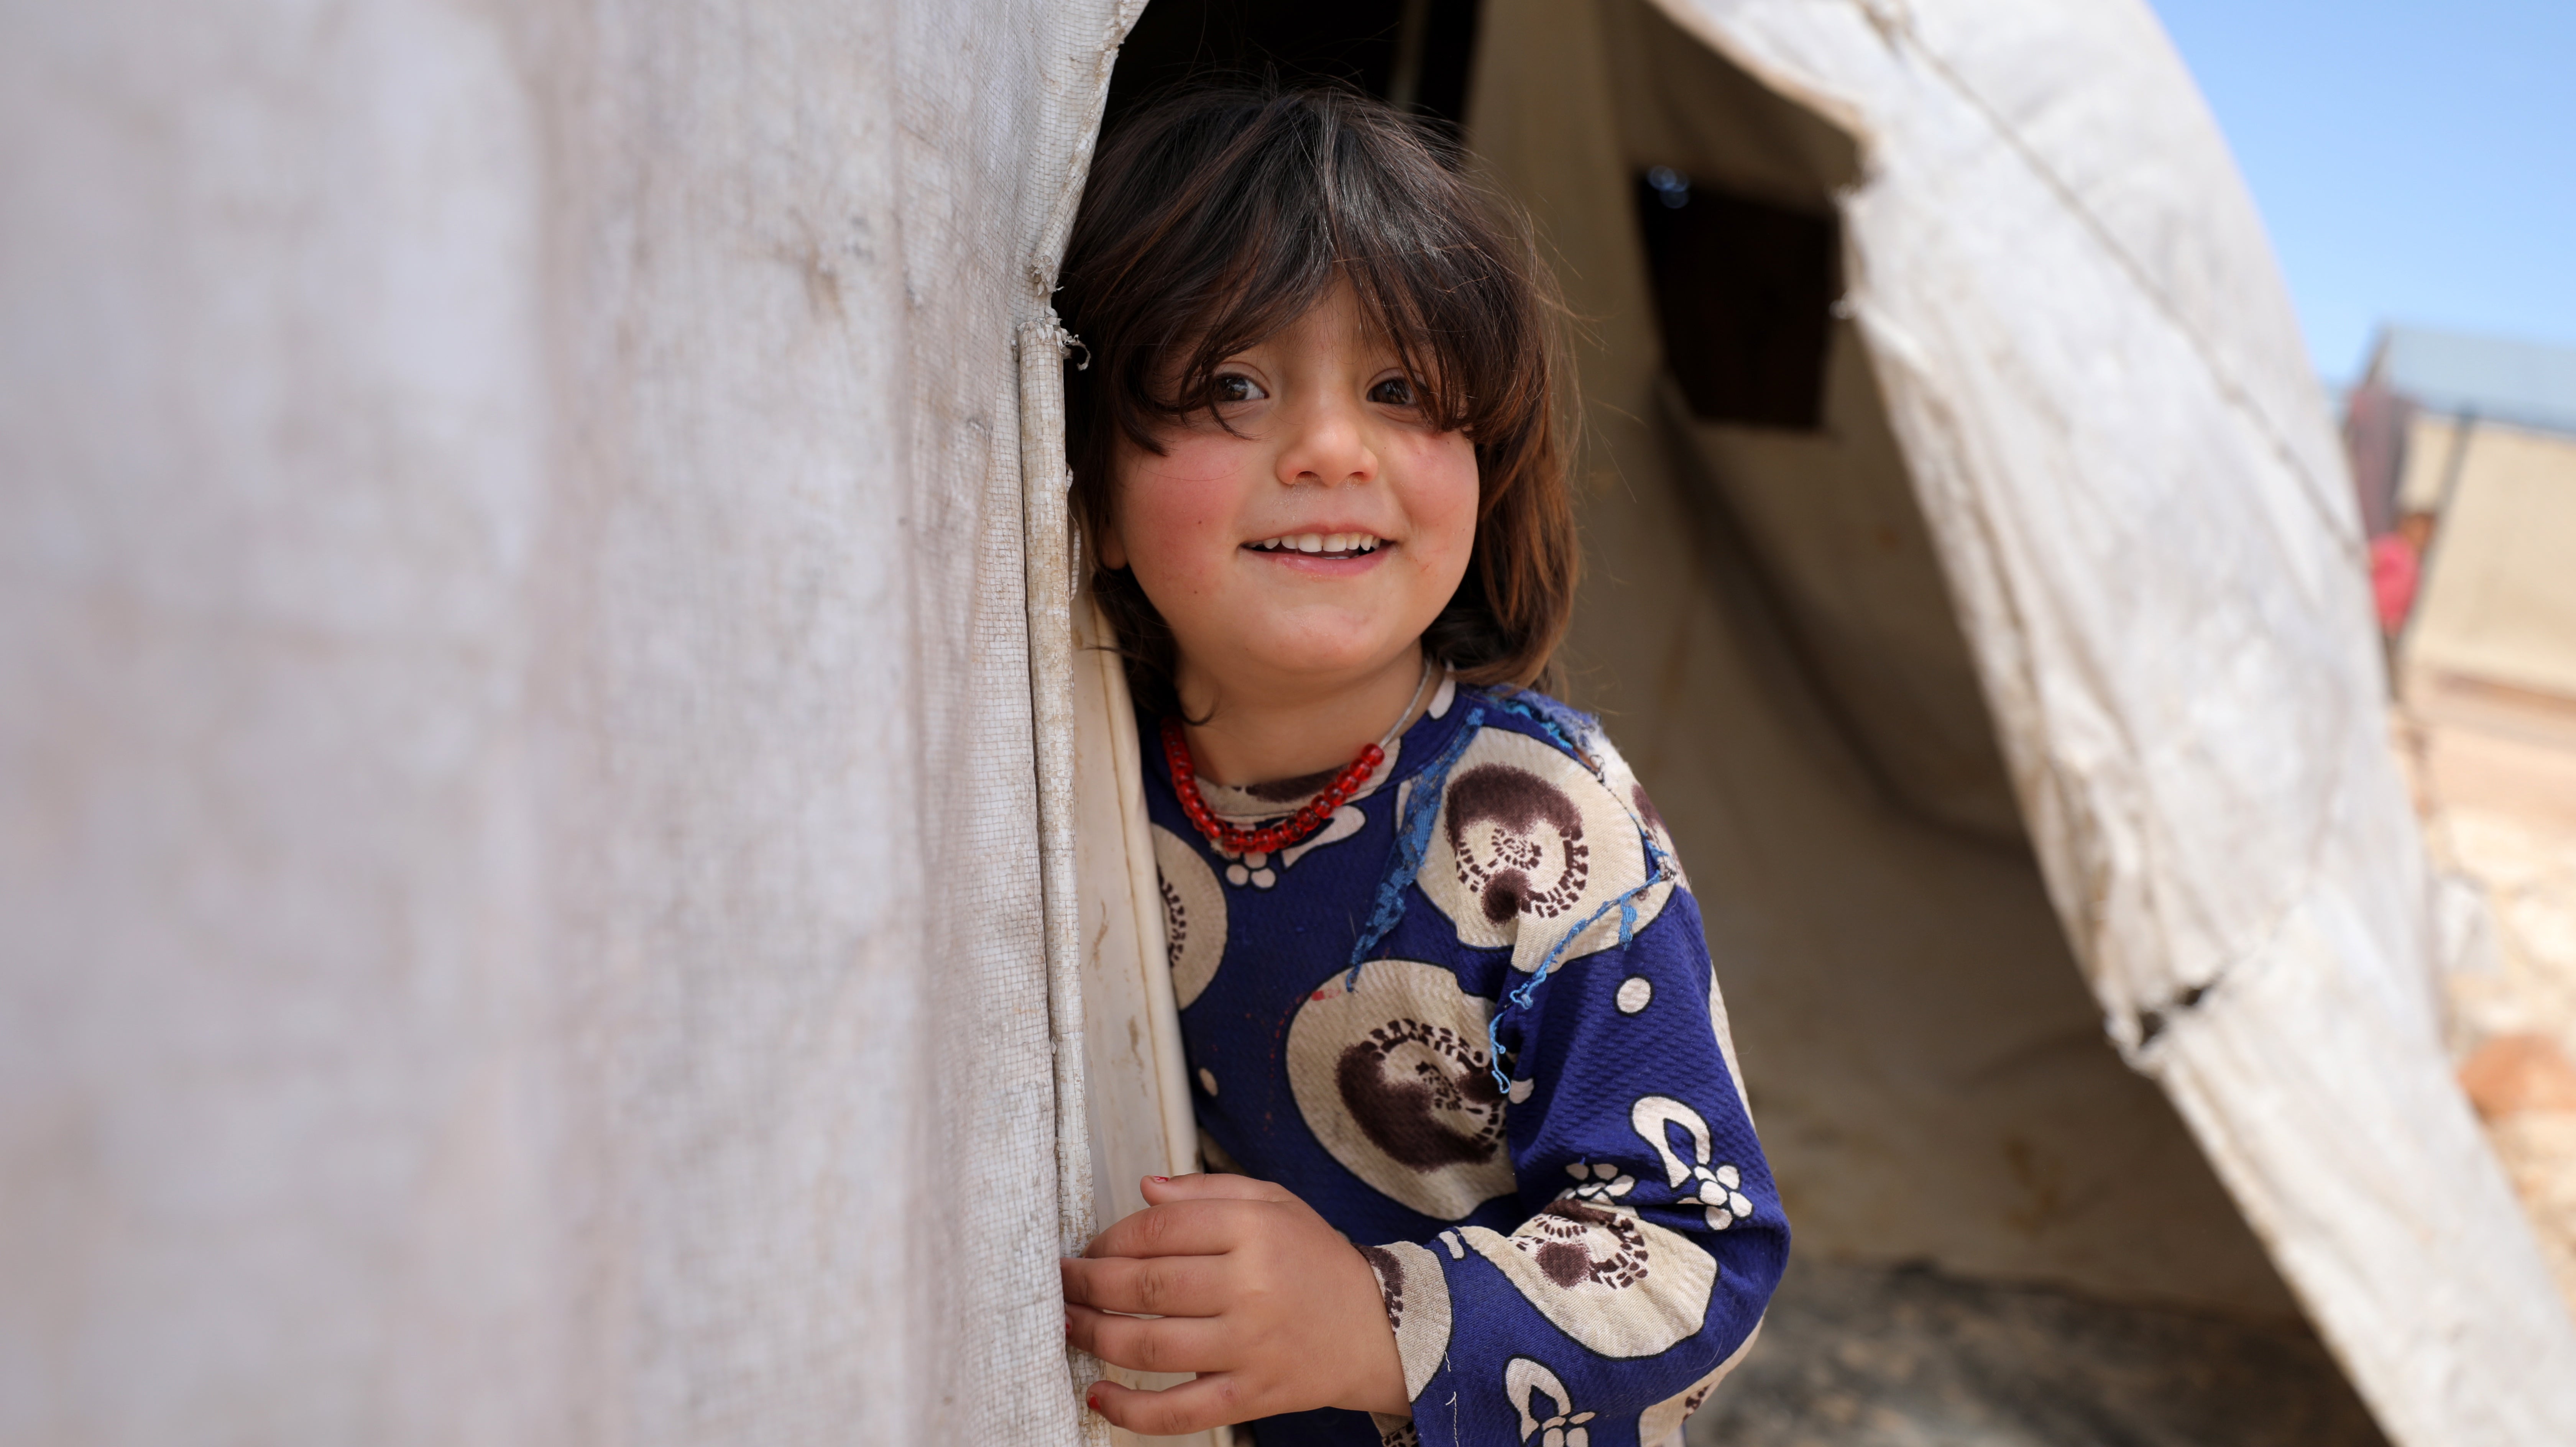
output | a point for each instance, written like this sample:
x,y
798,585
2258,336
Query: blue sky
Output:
x,y
2415,161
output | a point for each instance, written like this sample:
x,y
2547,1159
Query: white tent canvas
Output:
x,y
542,761
523,918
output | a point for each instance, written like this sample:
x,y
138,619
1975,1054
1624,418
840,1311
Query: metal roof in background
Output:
x,y
2500,379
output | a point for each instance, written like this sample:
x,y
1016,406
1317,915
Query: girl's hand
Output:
x,y
1270,1306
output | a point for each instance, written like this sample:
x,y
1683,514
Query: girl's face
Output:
x,y
1314,541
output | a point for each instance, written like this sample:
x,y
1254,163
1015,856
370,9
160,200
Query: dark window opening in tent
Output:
x,y
1744,299
1415,53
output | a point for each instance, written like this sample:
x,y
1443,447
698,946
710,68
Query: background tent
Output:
x,y
2476,444
537,743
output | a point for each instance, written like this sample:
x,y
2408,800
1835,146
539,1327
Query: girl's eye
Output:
x,y
1393,392
1235,387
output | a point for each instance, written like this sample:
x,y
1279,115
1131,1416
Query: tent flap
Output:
x,y
517,757
2133,486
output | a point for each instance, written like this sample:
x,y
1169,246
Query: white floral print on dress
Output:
x,y
1716,1188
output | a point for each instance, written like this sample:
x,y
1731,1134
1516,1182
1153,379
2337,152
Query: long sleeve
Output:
x,y
1651,1235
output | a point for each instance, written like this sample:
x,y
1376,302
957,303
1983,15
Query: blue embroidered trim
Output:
x,y
1412,841
1569,727
1572,730
1521,994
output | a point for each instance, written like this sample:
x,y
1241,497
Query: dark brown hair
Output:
x,y
1215,217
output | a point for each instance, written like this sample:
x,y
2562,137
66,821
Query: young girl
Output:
x,y
1442,983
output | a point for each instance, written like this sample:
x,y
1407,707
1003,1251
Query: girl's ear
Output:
x,y
1113,549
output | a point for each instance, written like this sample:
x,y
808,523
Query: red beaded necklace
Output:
x,y
1270,838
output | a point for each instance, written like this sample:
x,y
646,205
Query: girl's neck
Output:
x,y
1260,732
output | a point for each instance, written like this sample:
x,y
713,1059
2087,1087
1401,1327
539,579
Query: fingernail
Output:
x,y
1160,1180
1091,1399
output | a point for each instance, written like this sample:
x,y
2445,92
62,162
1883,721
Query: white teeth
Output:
x,y
1350,543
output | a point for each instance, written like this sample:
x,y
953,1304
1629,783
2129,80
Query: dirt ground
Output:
x,y
1860,1356
2494,776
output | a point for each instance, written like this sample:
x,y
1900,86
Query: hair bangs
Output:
x,y
1276,235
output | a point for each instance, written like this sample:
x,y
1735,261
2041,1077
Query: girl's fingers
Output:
x,y
1162,1189
1183,1228
1161,1344
1149,1286
1193,1406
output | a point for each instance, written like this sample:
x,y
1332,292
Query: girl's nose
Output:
x,y
1327,444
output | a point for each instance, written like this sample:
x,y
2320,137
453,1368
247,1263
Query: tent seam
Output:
x,y
1047,556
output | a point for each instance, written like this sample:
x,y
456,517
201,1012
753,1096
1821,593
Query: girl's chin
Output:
x,y
1330,662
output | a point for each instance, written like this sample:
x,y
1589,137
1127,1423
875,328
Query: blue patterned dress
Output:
x,y
1573,1247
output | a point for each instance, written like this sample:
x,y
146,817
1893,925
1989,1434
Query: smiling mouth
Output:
x,y
1321,545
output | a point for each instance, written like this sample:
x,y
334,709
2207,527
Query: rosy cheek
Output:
x,y
1444,498
1178,511
1193,464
